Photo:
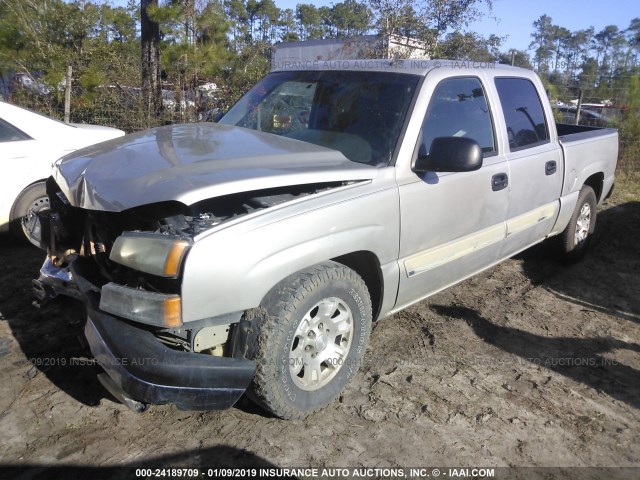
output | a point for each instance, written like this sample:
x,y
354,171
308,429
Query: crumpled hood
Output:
x,y
189,163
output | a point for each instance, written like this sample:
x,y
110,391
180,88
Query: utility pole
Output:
x,y
579,107
67,95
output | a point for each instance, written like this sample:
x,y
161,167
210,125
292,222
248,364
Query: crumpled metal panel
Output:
x,y
189,163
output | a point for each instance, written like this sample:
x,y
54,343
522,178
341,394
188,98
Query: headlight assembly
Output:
x,y
152,253
152,308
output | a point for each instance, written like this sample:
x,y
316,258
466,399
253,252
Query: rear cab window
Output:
x,y
523,113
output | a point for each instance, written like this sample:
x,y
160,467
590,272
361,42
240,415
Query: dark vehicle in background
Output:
x,y
588,116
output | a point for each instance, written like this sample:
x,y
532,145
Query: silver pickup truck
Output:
x,y
253,254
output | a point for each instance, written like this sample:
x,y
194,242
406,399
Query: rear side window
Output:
x,y
9,133
459,108
523,113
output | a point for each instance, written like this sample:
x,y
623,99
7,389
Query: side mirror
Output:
x,y
450,154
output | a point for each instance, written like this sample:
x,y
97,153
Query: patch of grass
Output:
x,y
627,187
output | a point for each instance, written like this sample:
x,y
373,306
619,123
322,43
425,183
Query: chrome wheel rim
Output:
x,y
31,223
583,224
321,344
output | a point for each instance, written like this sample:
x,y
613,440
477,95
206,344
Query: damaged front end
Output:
x,y
141,247
126,268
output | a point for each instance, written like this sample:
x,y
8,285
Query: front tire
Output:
x,y
574,241
25,224
312,340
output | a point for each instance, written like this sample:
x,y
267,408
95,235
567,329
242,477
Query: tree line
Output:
x,y
227,39
598,62
182,43
127,59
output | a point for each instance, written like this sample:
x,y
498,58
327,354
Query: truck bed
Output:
x,y
587,151
568,132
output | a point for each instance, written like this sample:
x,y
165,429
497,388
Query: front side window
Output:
x,y
361,114
459,108
523,113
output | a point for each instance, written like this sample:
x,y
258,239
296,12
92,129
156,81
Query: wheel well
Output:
x,y
367,265
596,181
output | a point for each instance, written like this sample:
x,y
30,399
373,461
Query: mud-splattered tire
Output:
x,y
575,239
31,200
312,340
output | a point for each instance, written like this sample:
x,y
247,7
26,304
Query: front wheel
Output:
x,y
575,239
25,223
312,340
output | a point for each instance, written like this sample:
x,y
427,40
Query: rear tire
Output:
x,y
312,340
31,200
574,241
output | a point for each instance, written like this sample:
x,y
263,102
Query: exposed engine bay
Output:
x,y
69,231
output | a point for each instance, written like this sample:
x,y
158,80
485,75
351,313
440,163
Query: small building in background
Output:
x,y
335,49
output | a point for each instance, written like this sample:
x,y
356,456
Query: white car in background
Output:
x,y
29,144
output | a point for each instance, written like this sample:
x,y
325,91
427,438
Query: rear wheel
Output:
x,y
312,340
24,220
575,239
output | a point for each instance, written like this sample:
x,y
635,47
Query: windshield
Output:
x,y
357,113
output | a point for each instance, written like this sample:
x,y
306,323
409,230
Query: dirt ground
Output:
x,y
529,364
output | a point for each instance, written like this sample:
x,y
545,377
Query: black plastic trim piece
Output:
x,y
499,181
150,372
550,167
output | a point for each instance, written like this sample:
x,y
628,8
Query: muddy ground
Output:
x,y
528,364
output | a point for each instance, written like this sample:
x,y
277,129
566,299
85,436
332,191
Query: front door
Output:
x,y
452,224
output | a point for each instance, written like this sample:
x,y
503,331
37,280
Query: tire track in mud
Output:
x,y
413,387
515,399
535,390
406,342
412,338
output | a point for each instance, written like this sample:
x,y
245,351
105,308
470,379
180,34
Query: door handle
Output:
x,y
499,181
550,167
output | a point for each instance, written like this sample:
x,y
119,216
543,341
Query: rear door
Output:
x,y
16,147
452,223
535,163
